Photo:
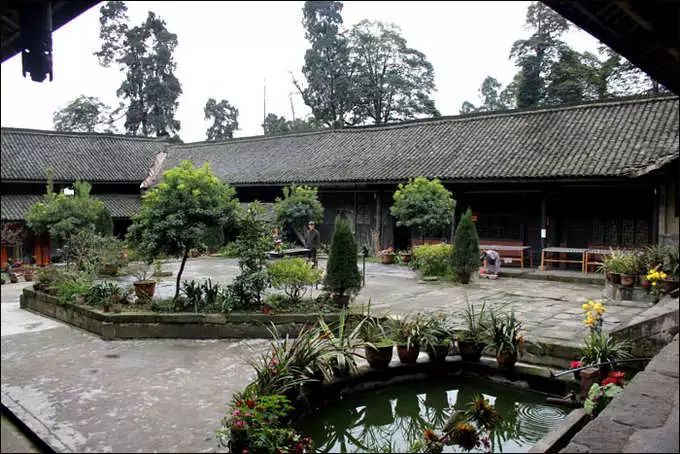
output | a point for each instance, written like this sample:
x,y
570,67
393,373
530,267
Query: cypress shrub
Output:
x,y
342,275
465,256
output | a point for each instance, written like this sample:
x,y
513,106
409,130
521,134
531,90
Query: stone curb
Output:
x,y
35,429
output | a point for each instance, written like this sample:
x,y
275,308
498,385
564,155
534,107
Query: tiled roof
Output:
x,y
28,154
615,138
14,207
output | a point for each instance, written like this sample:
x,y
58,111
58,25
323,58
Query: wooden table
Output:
x,y
298,252
563,250
520,249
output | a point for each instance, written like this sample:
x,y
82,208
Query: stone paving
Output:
x,y
169,395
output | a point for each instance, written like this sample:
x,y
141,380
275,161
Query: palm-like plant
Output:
x,y
408,330
476,324
601,348
505,334
343,341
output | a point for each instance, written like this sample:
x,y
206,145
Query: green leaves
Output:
x,y
299,205
342,274
424,205
293,275
225,119
84,114
465,257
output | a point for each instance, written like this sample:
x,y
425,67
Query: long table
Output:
x,y
520,249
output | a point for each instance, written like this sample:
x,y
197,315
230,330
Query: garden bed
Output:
x,y
185,325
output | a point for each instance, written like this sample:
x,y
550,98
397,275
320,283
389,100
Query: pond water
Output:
x,y
392,418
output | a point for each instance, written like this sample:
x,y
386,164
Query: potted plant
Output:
x,y
628,267
473,340
387,256
613,265
28,273
405,256
13,278
379,345
505,338
407,335
145,287
436,337
671,266
600,348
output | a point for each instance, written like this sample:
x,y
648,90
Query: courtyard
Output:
x,y
170,395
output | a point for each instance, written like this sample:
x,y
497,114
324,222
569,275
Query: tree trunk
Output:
x,y
181,270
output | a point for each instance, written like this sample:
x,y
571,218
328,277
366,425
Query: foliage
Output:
x,y
492,99
104,294
342,274
465,255
393,82
84,114
204,296
48,276
299,205
424,205
375,333
176,214
253,243
432,259
61,215
142,271
436,331
274,125
599,397
476,324
229,250
343,340
280,303
504,334
408,330
145,54
225,119
293,276
12,234
72,285
600,347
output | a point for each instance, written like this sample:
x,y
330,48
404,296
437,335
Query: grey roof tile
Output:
x,y
14,207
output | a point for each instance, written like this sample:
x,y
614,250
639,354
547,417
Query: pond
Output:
x,y
392,418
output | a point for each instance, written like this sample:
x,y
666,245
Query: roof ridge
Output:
x,y
80,134
254,138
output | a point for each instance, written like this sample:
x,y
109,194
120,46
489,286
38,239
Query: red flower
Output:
x,y
239,424
609,380
575,364
250,403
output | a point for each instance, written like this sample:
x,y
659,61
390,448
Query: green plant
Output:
x,y
142,271
299,205
73,285
408,330
465,255
374,333
477,329
436,331
342,274
423,205
504,334
599,397
177,213
671,262
105,293
293,276
616,262
600,347
83,250
192,292
48,276
229,250
112,252
343,340
432,259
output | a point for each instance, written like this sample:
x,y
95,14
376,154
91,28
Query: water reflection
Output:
x,y
396,416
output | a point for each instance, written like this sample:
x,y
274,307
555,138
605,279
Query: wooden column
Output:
x,y
543,225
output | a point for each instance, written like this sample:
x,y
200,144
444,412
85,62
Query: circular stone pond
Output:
x,y
393,417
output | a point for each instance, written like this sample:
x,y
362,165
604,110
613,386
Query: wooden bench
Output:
x,y
298,252
511,251
546,258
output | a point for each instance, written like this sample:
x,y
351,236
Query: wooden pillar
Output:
x,y
544,227
378,218
655,216
356,206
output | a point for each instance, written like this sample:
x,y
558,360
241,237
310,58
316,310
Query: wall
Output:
x,y
669,207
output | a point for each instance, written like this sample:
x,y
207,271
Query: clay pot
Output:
x,y
668,285
471,351
380,357
408,355
627,280
387,259
341,300
13,278
506,359
644,283
438,352
145,289
266,309
28,276
405,258
614,278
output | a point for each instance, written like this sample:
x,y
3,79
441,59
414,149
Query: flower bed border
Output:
x,y
145,325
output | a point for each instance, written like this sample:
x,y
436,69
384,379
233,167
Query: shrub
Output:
x,y
204,296
229,250
424,205
104,293
342,274
504,333
599,397
433,259
299,205
465,255
293,275
72,286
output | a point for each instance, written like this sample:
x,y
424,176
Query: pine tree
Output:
x,y
465,256
342,275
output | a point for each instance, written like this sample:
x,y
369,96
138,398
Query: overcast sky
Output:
x,y
228,50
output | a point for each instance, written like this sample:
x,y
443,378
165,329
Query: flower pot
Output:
x,y
405,258
107,306
117,308
379,357
471,351
464,278
644,283
615,278
408,355
438,352
145,289
266,309
668,285
506,359
627,280
194,253
387,259
80,299
577,375
13,278
28,276
341,300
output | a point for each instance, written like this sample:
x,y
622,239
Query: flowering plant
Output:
x,y
594,315
575,364
654,276
615,377
599,396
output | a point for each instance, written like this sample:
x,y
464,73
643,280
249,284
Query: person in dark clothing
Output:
x,y
312,241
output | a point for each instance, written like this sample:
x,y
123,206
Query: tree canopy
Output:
x,y
84,114
274,125
342,274
299,205
145,53
424,205
225,119
177,214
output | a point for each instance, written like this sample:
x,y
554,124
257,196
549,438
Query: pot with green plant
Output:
x,y
600,349
436,337
506,339
343,278
629,268
145,286
473,341
614,265
671,265
344,338
407,335
405,256
379,345
28,273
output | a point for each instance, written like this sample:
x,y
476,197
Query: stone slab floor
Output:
x,y
169,395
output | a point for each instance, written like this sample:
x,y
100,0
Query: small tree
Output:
x,y
177,213
293,276
423,205
299,205
342,274
61,215
465,256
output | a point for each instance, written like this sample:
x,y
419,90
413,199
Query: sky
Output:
x,y
232,50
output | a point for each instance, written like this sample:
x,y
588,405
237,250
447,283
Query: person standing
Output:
x,y
312,241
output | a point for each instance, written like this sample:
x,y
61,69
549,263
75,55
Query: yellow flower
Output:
x,y
654,283
585,307
663,275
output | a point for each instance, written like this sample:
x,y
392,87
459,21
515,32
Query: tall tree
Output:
x,y
535,55
327,67
145,52
84,114
275,125
394,82
225,119
492,98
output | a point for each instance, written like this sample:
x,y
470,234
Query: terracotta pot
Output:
x,y
506,359
408,355
615,278
644,283
627,280
28,276
405,258
438,352
668,285
380,357
145,289
471,351
266,309
387,259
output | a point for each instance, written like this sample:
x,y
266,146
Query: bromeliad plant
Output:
x,y
436,336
